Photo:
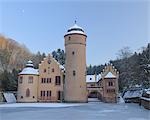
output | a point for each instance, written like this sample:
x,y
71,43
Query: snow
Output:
x,y
144,98
148,92
75,26
42,105
29,71
87,111
92,78
9,97
110,75
133,94
72,30
121,100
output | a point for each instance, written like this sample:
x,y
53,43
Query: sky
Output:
x,y
110,25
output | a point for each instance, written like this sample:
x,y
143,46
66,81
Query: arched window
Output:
x,y
28,93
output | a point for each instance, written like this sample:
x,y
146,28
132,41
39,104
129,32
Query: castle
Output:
x,y
53,82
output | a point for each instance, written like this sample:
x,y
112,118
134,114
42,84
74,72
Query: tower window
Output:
x,y
69,38
73,52
74,73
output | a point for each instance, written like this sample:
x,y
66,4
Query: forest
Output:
x,y
133,67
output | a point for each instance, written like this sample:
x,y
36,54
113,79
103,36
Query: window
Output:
x,y
21,97
53,70
42,93
73,52
48,80
110,83
111,91
57,80
28,93
69,38
44,80
48,93
33,97
74,72
30,79
20,79
44,70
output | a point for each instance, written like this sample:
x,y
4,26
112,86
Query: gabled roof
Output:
x,y
110,75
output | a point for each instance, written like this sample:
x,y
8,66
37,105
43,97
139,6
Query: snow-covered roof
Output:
x,y
144,98
147,91
75,26
75,29
29,71
110,75
133,93
93,78
29,64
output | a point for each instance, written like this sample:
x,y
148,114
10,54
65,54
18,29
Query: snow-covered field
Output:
x,y
62,111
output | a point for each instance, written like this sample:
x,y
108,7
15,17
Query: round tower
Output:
x,y
75,65
27,84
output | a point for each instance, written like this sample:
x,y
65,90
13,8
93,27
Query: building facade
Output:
x,y
42,85
105,85
51,82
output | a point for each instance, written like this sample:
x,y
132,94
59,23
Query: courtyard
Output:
x,y
64,111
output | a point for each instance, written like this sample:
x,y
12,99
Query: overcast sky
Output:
x,y
109,24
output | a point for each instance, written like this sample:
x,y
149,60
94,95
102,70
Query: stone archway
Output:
x,y
93,94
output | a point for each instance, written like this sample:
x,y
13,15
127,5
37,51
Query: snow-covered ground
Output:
x,y
62,111
41,105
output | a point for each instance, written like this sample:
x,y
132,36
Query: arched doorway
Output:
x,y
93,94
